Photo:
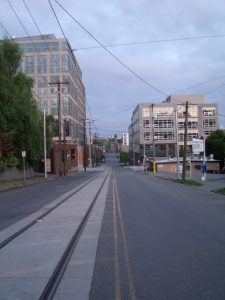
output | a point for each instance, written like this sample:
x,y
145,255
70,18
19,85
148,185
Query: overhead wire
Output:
x,y
5,30
57,19
115,57
153,41
111,54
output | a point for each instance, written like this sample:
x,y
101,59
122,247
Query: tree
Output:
x,y
21,123
215,144
124,157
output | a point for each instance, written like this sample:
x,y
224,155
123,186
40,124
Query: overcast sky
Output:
x,y
170,66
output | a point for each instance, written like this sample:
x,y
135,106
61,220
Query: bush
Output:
x,y
12,161
3,165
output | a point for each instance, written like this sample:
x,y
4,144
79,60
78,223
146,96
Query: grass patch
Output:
x,y
189,182
220,191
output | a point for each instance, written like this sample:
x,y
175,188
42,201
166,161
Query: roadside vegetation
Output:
x,y
220,191
21,122
190,182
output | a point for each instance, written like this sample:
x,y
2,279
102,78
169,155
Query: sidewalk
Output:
x,y
14,184
39,178
212,182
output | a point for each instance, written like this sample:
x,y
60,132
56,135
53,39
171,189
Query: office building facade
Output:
x,y
156,128
58,88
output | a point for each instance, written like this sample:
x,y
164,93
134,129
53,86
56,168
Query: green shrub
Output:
x,y
3,165
12,161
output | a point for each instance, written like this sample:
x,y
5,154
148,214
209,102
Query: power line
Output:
x,y
66,39
115,57
5,30
153,41
57,19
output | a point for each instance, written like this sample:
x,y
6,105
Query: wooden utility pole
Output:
x,y
185,141
153,140
84,156
60,161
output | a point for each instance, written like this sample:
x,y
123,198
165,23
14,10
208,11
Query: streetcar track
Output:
x,y
57,275
39,218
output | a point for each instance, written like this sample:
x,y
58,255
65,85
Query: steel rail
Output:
x,y
57,275
30,224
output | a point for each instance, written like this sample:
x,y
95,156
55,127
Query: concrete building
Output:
x,y
125,142
58,88
156,128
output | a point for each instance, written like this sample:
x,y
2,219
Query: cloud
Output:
x,y
169,66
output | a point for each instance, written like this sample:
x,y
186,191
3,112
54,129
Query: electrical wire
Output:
x,y
153,41
66,39
5,30
114,56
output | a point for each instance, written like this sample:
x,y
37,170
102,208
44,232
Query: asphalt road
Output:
x,y
19,203
160,240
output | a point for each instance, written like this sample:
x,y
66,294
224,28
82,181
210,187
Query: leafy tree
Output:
x,y
215,144
21,123
124,157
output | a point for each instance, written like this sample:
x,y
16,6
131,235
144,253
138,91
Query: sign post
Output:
x,y
198,145
24,170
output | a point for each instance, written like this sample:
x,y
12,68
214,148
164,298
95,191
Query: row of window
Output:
x,y
169,111
169,136
159,136
169,123
39,47
68,106
56,63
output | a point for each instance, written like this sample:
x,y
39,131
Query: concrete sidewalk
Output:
x,y
39,178
212,181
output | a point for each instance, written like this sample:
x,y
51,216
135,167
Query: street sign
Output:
x,y
23,153
197,145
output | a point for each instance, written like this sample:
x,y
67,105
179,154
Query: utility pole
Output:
x,y
90,149
153,140
177,145
64,147
133,144
185,141
45,161
84,156
59,124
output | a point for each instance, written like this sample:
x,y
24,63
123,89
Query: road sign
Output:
x,y
23,153
197,145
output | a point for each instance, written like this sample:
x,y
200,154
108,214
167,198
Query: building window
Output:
x,y
66,106
163,111
54,64
42,82
191,125
146,123
42,64
190,136
208,112
207,132
163,123
209,123
147,136
65,63
54,105
192,111
29,64
164,136
145,112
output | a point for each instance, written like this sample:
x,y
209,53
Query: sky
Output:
x,y
182,53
